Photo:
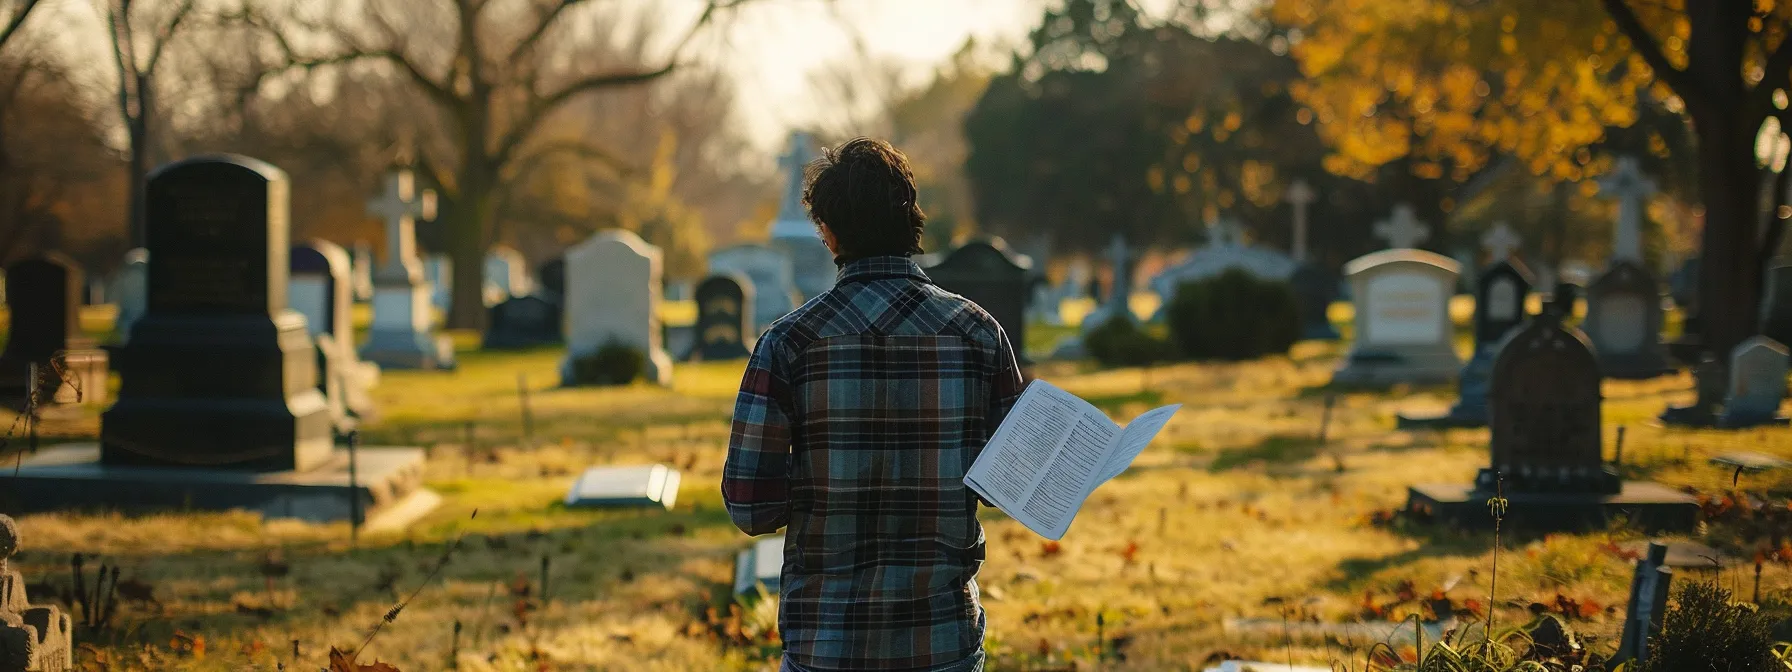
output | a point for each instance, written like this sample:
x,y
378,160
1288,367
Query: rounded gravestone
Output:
x,y
724,317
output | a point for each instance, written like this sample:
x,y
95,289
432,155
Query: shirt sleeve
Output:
x,y
1004,390
1009,383
756,477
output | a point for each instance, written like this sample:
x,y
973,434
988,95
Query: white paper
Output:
x,y
1135,438
1051,452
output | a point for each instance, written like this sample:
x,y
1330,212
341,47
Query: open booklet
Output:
x,y
1051,453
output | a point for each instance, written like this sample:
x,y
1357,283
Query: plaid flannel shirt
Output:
x,y
858,417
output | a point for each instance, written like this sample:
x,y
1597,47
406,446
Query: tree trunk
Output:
x,y
466,242
138,129
1729,275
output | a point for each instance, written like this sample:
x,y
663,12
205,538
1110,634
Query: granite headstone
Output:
x,y
44,336
725,328
613,297
220,372
992,277
1624,322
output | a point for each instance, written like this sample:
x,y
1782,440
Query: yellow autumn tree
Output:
x,y
1455,83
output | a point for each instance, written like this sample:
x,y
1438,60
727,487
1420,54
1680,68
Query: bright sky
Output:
x,y
777,44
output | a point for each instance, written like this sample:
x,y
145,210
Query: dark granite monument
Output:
x,y
219,406
724,318
1547,448
987,273
1315,289
219,372
43,295
1624,322
524,322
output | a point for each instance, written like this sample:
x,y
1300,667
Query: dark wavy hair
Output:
x,y
864,192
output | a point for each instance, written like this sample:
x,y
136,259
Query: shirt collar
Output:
x,y
881,268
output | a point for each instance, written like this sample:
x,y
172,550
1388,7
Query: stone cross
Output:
x,y
1225,232
1403,229
1501,241
1631,188
792,221
1299,196
401,206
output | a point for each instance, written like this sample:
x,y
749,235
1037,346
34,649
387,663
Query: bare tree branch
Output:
x,y
166,35
1646,46
542,26
18,19
541,106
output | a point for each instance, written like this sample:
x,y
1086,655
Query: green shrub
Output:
x,y
612,364
1233,316
1120,342
1704,631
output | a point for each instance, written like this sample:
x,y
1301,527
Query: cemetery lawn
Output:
x,y
1236,519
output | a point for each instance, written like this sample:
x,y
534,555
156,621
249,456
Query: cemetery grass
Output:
x,y
1236,522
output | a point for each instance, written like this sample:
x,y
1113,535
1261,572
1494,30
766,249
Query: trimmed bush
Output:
x,y
1233,316
1120,342
613,364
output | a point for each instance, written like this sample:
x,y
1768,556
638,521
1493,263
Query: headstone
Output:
x,y
438,273
1403,328
1499,310
44,300
1648,604
32,638
761,565
1299,196
1624,321
403,334
220,372
1117,301
1758,370
322,289
1225,250
991,276
551,279
613,296
1044,307
524,322
130,290
1632,189
1315,289
793,232
725,328
1546,458
772,274
1545,414
506,275
362,269
646,486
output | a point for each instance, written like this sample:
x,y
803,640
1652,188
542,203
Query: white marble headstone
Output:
x,y
1758,368
1403,327
613,295
130,290
760,565
650,485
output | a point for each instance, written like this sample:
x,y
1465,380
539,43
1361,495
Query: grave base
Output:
x,y
1424,366
408,350
1652,506
1457,418
389,485
1698,418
